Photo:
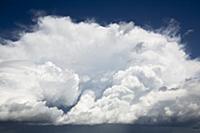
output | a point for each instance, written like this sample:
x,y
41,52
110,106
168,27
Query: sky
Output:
x,y
99,62
154,13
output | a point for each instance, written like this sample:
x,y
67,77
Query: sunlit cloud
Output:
x,y
84,73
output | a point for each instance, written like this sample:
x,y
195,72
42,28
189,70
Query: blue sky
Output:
x,y
155,13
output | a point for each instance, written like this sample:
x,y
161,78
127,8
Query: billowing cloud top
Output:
x,y
84,73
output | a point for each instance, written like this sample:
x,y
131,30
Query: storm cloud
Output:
x,y
66,72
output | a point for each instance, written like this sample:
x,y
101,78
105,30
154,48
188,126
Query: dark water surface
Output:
x,y
103,128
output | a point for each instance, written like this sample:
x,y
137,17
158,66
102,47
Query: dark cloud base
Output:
x,y
12,127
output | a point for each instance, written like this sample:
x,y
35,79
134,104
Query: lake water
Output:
x,y
8,127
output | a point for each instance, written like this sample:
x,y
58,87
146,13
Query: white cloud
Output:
x,y
33,92
122,73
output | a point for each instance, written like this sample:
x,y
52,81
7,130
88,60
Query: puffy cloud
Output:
x,y
84,73
34,92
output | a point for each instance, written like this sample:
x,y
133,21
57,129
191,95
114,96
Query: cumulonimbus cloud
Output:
x,y
84,73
